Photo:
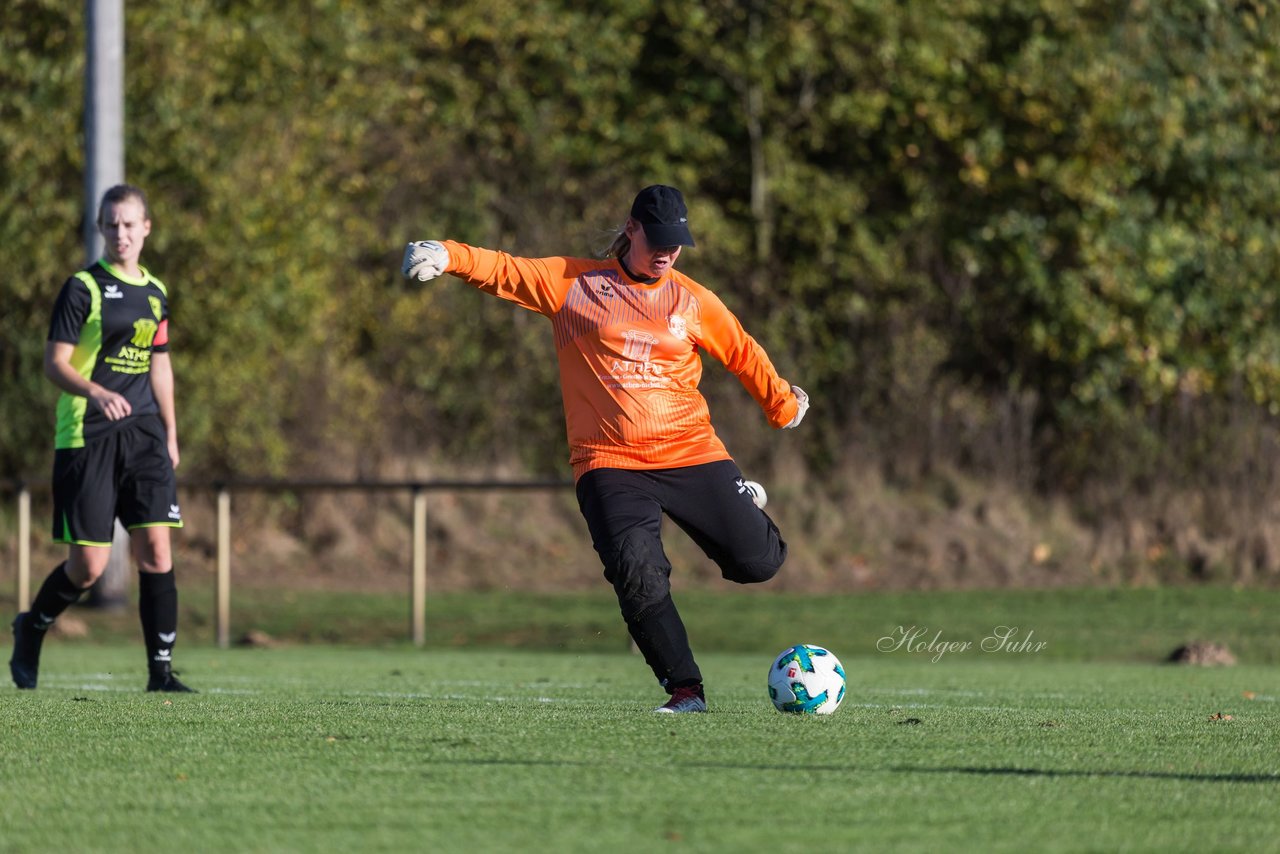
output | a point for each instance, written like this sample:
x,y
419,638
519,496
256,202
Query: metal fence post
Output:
x,y
418,591
223,584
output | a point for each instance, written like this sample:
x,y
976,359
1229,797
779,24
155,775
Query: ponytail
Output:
x,y
620,247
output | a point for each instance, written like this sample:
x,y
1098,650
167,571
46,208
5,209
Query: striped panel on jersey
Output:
x,y
598,298
656,427
71,407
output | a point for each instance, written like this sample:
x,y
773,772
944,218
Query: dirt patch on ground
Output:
x,y
1203,654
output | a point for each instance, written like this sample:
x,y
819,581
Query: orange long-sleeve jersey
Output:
x,y
627,350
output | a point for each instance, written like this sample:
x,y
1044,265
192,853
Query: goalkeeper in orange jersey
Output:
x,y
627,332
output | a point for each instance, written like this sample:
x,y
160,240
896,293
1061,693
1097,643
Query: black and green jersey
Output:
x,y
116,322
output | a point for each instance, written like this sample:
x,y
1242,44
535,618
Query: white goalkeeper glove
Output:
x,y
803,400
424,260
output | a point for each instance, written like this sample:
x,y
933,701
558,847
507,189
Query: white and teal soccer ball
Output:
x,y
806,680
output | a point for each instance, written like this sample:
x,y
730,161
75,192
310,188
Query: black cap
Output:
x,y
661,211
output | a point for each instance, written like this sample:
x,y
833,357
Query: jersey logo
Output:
x,y
112,292
678,326
638,345
155,306
634,370
599,284
144,331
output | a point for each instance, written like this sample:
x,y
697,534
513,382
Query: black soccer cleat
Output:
x,y
166,682
25,664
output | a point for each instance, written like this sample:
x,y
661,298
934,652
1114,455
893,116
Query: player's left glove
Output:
x,y
803,400
424,260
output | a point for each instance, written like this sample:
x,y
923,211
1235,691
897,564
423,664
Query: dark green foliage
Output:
x,y
1035,236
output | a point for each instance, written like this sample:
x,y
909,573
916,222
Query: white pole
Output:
x,y
104,168
103,112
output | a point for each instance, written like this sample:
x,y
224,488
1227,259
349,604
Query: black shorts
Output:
x,y
707,501
125,475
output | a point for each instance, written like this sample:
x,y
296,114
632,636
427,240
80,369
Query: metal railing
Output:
x,y
222,489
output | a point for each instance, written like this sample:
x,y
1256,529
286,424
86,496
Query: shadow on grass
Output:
x,y
850,769
1135,775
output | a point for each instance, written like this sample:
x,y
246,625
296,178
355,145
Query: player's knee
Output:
x,y
151,550
153,565
86,566
88,576
640,573
753,573
150,559
757,569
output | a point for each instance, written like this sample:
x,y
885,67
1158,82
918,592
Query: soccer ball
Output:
x,y
806,680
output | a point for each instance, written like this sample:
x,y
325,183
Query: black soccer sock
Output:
x,y
56,595
158,610
660,635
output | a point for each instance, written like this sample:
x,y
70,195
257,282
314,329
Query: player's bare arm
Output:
x,y
58,368
162,388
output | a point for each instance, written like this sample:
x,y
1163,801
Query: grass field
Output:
x,y
1122,625
310,747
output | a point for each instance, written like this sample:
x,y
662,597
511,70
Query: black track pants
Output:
x,y
623,509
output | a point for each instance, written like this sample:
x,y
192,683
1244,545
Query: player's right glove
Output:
x,y
803,400
424,260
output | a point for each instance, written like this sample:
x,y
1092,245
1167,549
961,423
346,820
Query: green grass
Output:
x,y
313,748
525,726
1119,625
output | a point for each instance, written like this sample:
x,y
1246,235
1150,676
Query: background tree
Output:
x,y
1032,241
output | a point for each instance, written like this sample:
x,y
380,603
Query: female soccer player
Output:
x,y
116,445
627,330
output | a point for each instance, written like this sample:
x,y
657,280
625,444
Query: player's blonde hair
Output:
x,y
620,245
